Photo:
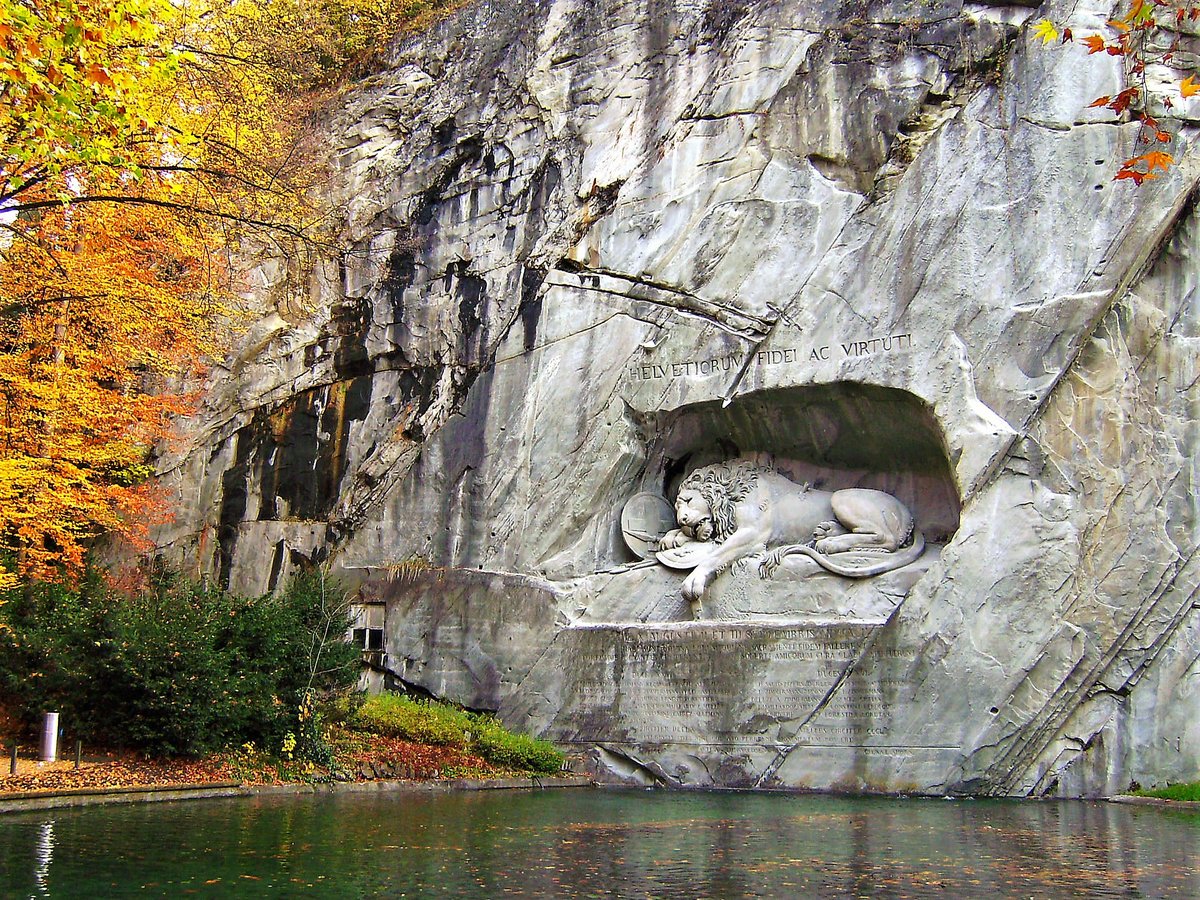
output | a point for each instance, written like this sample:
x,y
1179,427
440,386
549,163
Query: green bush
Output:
x,y
1187,791
413,720
498,745
179,669
430,722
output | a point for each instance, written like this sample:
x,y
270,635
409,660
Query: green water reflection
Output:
x,y
582,843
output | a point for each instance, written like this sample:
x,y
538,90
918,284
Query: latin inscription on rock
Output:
x,y
704,367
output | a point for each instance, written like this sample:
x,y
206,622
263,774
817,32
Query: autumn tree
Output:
x,y
144,146
100,315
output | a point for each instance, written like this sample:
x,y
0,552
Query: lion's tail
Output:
x,y
893,560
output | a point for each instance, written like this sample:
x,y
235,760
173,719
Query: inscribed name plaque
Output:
x,y
740,699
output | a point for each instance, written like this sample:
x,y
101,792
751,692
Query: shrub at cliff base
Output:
x,y
498,745
177,670
438,723
1187,791
413,720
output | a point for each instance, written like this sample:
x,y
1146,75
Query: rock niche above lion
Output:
x,y
810,504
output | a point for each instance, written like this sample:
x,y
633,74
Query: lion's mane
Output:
x,y
722,485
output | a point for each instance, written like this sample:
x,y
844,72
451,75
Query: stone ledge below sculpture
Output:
x,y
466,635
800,592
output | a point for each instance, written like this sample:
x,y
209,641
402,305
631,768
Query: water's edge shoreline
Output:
x,y
38,800
1135,800
32,801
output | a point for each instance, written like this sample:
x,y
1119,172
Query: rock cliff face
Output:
x,y
591,246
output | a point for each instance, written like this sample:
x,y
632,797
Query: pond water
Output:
x,y
585,843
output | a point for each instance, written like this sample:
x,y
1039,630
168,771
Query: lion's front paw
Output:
x,y
694,585
672,539
770,562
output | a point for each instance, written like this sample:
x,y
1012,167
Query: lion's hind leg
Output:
x,y
827,529
876,521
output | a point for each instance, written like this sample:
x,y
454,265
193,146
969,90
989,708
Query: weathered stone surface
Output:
x,y
468,635
593,246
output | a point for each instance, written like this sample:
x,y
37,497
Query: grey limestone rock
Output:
x,y
594,246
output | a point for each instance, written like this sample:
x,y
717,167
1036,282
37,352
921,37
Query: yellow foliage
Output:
x,y
99,319
1045,30
80,83
141,143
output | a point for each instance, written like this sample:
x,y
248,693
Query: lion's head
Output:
x,y
704,504
693,512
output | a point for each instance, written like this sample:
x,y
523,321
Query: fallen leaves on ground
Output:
x,y
123,771
360,757
405,759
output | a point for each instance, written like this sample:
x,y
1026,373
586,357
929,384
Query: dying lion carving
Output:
x,y
732,510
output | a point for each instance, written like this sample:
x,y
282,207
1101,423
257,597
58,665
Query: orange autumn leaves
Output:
x,y
137,151
105,312
1135,37
99,304
142,143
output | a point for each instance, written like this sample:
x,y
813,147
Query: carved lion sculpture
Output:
x,y
742,510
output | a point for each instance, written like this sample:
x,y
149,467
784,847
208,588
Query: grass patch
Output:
x,y
1187,791
498,745
430,722
414,720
